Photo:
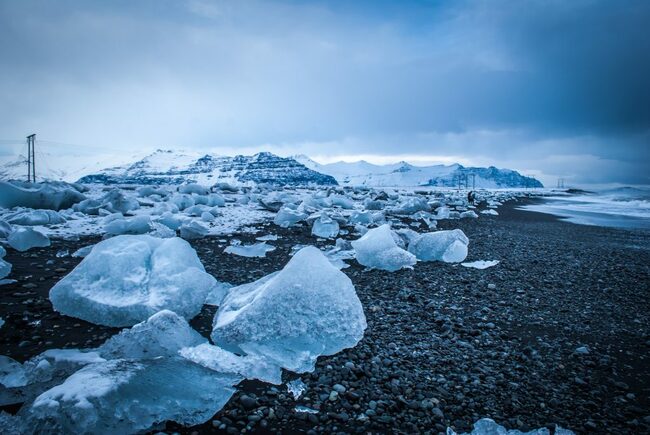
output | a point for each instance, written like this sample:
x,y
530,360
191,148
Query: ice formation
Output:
x,y
255,250
5,229
449,246
55,195
487,426
126,279
468,214
23,239
221,360
490,212
378,249
293,316
325,227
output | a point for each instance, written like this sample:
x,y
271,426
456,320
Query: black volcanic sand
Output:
x,y
445,345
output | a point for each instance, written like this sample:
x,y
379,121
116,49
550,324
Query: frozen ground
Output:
x,y
445,345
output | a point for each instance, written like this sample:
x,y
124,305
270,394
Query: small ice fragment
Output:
x,y
305,409
480,264
256,250
296,388
82,252
62,253
267,238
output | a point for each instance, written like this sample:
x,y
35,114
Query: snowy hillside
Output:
x,y
405,174
171,167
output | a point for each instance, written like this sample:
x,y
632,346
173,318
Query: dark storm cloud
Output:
x,y
540,85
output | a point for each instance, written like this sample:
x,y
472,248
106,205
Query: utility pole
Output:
x,y
560,183
31,158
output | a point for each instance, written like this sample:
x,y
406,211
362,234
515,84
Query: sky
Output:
x,y
550,88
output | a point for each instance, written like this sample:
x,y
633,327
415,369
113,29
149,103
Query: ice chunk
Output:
x,y
170,220
127,396
23,239
161,231
292,317
116,202
248,366
296,388
12,373
194,230
182,201
163,334
411,205
487,426
442,213
267,238
83,252
54,195
449,246
342,201
468,214
325,227
378,249
490,212
5,229
135,225
287,217
217,293
256,250
35,217
193,188
481,264
5,267
126,279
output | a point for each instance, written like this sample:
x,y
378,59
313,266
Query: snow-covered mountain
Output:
x,y
172,167
405,174
61,167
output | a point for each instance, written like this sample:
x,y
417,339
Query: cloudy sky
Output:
x,y
552,88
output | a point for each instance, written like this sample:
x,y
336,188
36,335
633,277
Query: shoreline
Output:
x,y
442,348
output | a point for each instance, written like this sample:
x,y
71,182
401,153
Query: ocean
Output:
x,y
621,207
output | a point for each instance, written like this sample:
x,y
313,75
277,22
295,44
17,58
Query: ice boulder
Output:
x,y
131,396
23,239
55,195
5,267
170,220
255,250
490,212
36,217
287,217
487,426
193,230
193,188
5,229
126,279
449,246
135,225
378,249
293,316
163,334
116,202
325,227
468,214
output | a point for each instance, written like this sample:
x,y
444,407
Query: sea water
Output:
x,y
622,207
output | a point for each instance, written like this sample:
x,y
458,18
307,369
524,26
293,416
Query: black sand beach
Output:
x,y
445,345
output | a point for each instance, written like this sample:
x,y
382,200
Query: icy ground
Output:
x,y
143,272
